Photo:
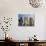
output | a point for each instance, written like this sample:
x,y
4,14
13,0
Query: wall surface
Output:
x,y
10,8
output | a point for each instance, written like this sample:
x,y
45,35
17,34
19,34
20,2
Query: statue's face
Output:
x,y
35,3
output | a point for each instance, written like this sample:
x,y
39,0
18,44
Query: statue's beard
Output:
x,y
34,4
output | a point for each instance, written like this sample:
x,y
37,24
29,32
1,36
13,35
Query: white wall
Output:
x,y
11,8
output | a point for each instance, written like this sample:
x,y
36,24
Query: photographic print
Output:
x,y
26,20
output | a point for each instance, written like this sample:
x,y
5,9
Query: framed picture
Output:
x,y
26,20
